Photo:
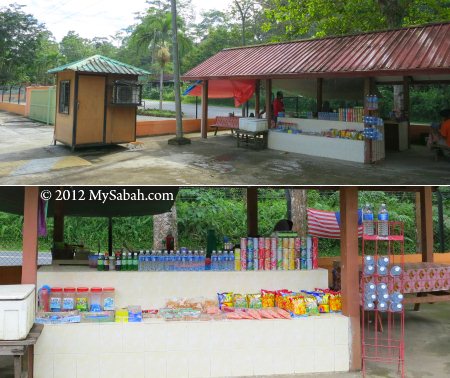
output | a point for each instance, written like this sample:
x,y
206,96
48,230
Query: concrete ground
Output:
x,y
27,156
427,346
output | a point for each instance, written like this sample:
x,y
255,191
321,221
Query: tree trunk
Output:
x,y
299,204
161,83
163,224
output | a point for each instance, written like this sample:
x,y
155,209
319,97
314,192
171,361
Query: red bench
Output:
x,y
229,123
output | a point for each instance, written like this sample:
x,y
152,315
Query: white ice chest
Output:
x,y
17,311
253,124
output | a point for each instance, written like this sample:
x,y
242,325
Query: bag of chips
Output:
x,y
240,301
254,300
311,305
267,298
335,301
225,299
298,306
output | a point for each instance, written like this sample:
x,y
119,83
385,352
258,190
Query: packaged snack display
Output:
x,y
311,305
97,317
240,301
267,298
335,302
298,306
58,317
254,300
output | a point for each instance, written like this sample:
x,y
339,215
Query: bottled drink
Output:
x,y
231,259
190,261
202,260
383,297
100,262
382,270
106,262
369,270
118,261
369,306
219,260
370,297
369,260
396,297
225,260
383,261
196,261
396,307
214,260
135,261
370,287
183,260
383,219
382,288
165,261
147,261
129,261
368,220
382,306
177,260
396,270
141,263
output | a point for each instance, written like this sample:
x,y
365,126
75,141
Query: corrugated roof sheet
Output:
x,y
422,49
100,64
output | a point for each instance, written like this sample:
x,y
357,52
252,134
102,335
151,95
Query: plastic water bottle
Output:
x,y
382,306
383,219
171,261
382,270
382,288
383,261
231,261
141,261
370,287
396,297
396,270
178,261
159,264
370,297
369,260
368,220
383,297
396,307
214,260
369,270
202,260
369,306
225,260
219,261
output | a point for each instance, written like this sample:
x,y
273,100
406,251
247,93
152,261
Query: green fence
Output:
x,y
43,105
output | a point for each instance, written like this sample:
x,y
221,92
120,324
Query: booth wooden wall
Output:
x,y
64,123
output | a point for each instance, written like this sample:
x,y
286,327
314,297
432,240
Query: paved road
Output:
x,y
189,109
14,258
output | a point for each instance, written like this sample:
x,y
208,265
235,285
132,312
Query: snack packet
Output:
x,y
298,306
335,301
267,298
225,299
240,301
254,300
311,305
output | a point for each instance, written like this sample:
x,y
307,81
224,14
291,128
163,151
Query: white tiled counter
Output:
x,y
152,289
157,348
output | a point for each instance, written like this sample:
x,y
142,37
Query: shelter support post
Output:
x,y
58,222
319,94
350,270
30,235
407,105
204,124
418,225
426,220
268,85
257,98
252,212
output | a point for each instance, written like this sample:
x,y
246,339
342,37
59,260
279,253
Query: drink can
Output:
x,y
297,244
267,243
256,263
285,242
250,254
285,263
250,265
243,244
250,244
243,264
280,258
315,252
291,243
309,264
243,253
292,259
308,247
274,243
267,253
237,259
255,243
303,264
298,264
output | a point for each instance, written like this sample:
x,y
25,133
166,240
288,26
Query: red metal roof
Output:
x,y
414,50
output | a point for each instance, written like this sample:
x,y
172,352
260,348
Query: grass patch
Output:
x,y
157,113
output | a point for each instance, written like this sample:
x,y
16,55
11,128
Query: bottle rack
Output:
x,y
383,332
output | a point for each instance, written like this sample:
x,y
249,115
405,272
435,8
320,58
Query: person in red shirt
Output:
x,y
278,105
441,135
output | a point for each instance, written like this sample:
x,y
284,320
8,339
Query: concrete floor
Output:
x,y
27,156
427,348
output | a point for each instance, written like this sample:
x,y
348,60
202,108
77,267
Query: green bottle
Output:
x,y
124,261
100,262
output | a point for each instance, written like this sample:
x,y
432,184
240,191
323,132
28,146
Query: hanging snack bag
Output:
x,y
225,299
268,298
254,300
240,301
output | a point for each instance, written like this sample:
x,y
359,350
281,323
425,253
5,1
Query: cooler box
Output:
x,y
253,124
17,311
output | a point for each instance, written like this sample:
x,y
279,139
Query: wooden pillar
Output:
x,y
30,235
252,212
204,124
58,222
426,221
418,225
319,94
407,105
268,85
257,98
350,270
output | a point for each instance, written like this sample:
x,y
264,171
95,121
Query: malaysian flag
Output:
x,y
325,224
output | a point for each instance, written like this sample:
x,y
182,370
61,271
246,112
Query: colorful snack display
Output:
x,y
267,298
225,299
240,301
254,300
312,308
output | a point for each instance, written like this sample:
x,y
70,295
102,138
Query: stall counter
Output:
x,y
157,348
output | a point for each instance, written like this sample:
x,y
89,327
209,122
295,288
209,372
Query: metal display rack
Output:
x,y
383,331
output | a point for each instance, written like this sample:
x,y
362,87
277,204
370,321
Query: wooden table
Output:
x,y
20,348
250,139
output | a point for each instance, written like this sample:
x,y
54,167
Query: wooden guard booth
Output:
x,y
96,102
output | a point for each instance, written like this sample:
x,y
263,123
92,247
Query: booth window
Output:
x,y
126,93
64,97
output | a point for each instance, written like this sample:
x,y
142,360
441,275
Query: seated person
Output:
x,y
440,136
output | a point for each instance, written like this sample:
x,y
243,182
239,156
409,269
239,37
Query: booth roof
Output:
x,y
413,50
12,201
100,64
